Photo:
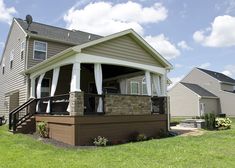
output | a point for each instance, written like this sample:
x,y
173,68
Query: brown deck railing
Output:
x,y
58,104
91,102
159,105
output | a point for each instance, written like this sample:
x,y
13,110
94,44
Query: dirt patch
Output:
x,y
58,143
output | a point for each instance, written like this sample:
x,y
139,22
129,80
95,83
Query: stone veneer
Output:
x,y
127,104
76,103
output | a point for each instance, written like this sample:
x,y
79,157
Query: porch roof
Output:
x,y
78,49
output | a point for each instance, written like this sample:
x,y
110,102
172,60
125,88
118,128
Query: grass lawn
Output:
x,y
213,149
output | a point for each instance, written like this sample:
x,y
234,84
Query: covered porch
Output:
x,y
97,89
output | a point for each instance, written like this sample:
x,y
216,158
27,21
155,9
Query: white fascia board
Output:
x,y
87,58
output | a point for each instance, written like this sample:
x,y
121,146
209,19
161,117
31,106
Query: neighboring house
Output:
x,y
203,91
81,84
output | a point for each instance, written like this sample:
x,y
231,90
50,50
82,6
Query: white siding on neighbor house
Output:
x,y
212,105
12,81
183,102
123,48
227,87
214,86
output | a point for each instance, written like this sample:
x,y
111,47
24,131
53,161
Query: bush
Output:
x,y
223,123
210,121
43,129
100,141
141,137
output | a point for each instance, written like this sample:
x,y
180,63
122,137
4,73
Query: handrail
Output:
x,y
12,115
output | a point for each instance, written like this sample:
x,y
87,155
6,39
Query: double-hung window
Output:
x,y
40,50
144,87
134,87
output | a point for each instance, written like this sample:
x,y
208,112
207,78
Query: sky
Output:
x,y
187,33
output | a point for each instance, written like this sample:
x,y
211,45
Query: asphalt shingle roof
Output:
x,y
219,76
198,90
56,33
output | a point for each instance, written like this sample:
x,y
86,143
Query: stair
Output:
x,y
27,127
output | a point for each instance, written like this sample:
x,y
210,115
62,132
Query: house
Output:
x,y
203,91
78,83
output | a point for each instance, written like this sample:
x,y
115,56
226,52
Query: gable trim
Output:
x,y
139,39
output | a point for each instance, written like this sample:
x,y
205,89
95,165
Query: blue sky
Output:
x,y
188,33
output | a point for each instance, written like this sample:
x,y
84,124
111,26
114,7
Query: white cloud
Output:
x,y
106,18
229,70
183,45
6,13
228,73
163,46
205,65
220,34
175,80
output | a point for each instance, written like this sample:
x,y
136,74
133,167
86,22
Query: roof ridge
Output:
x,y
60,27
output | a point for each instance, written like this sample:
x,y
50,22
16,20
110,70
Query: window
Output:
x,y
22,48
11,59
134,87
45,91
40,50
144,87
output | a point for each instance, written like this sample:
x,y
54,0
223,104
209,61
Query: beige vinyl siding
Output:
x,y
226,87
214,86
123,48
12,81
53,48
211,105
183,102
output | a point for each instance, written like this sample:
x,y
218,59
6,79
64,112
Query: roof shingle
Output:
x,y
56,33
198,90
219,76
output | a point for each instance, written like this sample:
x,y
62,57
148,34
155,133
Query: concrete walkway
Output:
x,y
187,131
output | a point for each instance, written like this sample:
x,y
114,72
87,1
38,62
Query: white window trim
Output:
x,y
138,85
39,50
22,49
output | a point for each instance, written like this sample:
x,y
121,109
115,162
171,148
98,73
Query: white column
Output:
x,y
56,72
75,80
98,83
148,83
32,88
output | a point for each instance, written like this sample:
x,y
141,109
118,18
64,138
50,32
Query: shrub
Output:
x,y
100,141
223,123
133,136
210,121
43,129
141,137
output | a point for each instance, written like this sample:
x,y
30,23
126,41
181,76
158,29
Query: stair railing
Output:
x,y
15,116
